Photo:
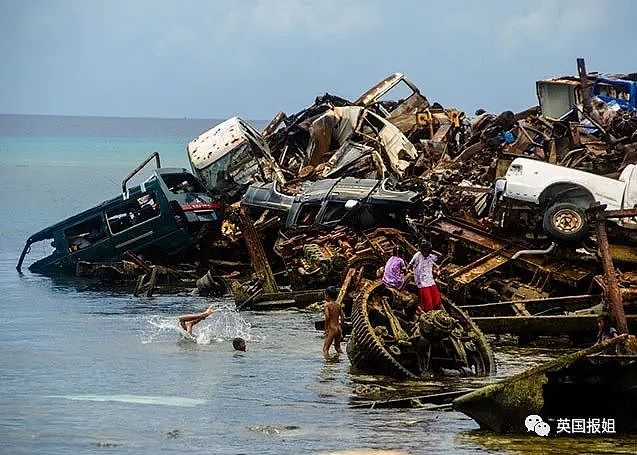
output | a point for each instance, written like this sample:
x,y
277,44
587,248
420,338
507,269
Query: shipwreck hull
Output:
x,y
463,349
581,385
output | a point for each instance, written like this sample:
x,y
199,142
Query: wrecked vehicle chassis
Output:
x,y
387,339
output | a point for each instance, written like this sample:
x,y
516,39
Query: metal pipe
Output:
x,y
22,255
613,292
584,85
534,252
148,159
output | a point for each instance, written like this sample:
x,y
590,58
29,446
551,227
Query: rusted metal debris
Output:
x,y
259,261
558,388
507,250
612,286
388,338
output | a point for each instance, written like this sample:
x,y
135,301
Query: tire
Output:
x,y
565,222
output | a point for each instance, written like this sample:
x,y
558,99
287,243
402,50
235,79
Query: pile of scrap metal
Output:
x,y
587,123
336,162
452,163
504,197
367,138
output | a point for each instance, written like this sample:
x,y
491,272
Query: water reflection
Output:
x,y
536,445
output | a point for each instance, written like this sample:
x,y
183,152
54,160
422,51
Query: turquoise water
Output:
x,y
88,371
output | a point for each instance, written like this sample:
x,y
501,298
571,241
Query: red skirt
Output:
x,y
429,298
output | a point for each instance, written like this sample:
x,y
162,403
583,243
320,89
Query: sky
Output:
x,y
253,58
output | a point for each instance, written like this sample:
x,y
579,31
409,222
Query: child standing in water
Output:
x,y
334,318
393,274
422,265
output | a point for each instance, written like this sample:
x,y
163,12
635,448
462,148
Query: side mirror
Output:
x,y
351,203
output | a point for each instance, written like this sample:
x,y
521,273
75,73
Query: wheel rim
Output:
x,y
567,220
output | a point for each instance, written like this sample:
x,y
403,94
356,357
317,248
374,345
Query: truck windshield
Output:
x,y
182,183
617,92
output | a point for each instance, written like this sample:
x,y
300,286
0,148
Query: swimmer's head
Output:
x,y
239,344
331,292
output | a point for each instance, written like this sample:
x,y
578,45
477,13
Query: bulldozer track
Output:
x,y
370,350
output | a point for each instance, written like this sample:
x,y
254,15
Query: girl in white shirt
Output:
x,y
422,265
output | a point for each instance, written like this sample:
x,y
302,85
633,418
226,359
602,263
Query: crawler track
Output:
x,y
365,346
367,351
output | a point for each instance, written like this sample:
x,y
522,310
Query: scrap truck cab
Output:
x,y
620,90
561,196
558,96
361,203
158,218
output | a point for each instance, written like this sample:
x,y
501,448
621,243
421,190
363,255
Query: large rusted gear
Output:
x,y
449,329
365,348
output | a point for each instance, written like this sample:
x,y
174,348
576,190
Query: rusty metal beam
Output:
x,y
271,127
132,257
485,242
584,84
626,213
258,259
569,302
543,325
613,292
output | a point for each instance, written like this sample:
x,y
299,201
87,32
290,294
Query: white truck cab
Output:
x,y
564,194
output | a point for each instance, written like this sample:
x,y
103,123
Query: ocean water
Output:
x,y
86,371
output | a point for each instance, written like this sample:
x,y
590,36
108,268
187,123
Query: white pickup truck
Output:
x,y
563,194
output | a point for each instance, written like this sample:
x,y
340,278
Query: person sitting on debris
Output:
x,y
422,265
605,330
188,321
334,318
239,344
393,274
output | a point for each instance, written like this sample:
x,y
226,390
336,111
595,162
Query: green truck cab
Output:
x,y
157,219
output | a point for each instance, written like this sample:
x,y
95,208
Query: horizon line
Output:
x,y
126,117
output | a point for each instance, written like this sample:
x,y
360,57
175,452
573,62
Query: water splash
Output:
x,y
270,430
224,324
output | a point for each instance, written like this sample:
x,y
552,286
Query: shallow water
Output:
x,y
84,371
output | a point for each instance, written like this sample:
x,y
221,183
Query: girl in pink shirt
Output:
x,y
393,275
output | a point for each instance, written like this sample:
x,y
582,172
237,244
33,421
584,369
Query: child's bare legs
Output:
x,y
337,342
332,337
187,321
326,343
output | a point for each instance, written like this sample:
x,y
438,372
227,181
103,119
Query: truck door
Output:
x,y
132,223
629,176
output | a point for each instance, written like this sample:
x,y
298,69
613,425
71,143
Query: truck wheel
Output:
x,y
565,221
